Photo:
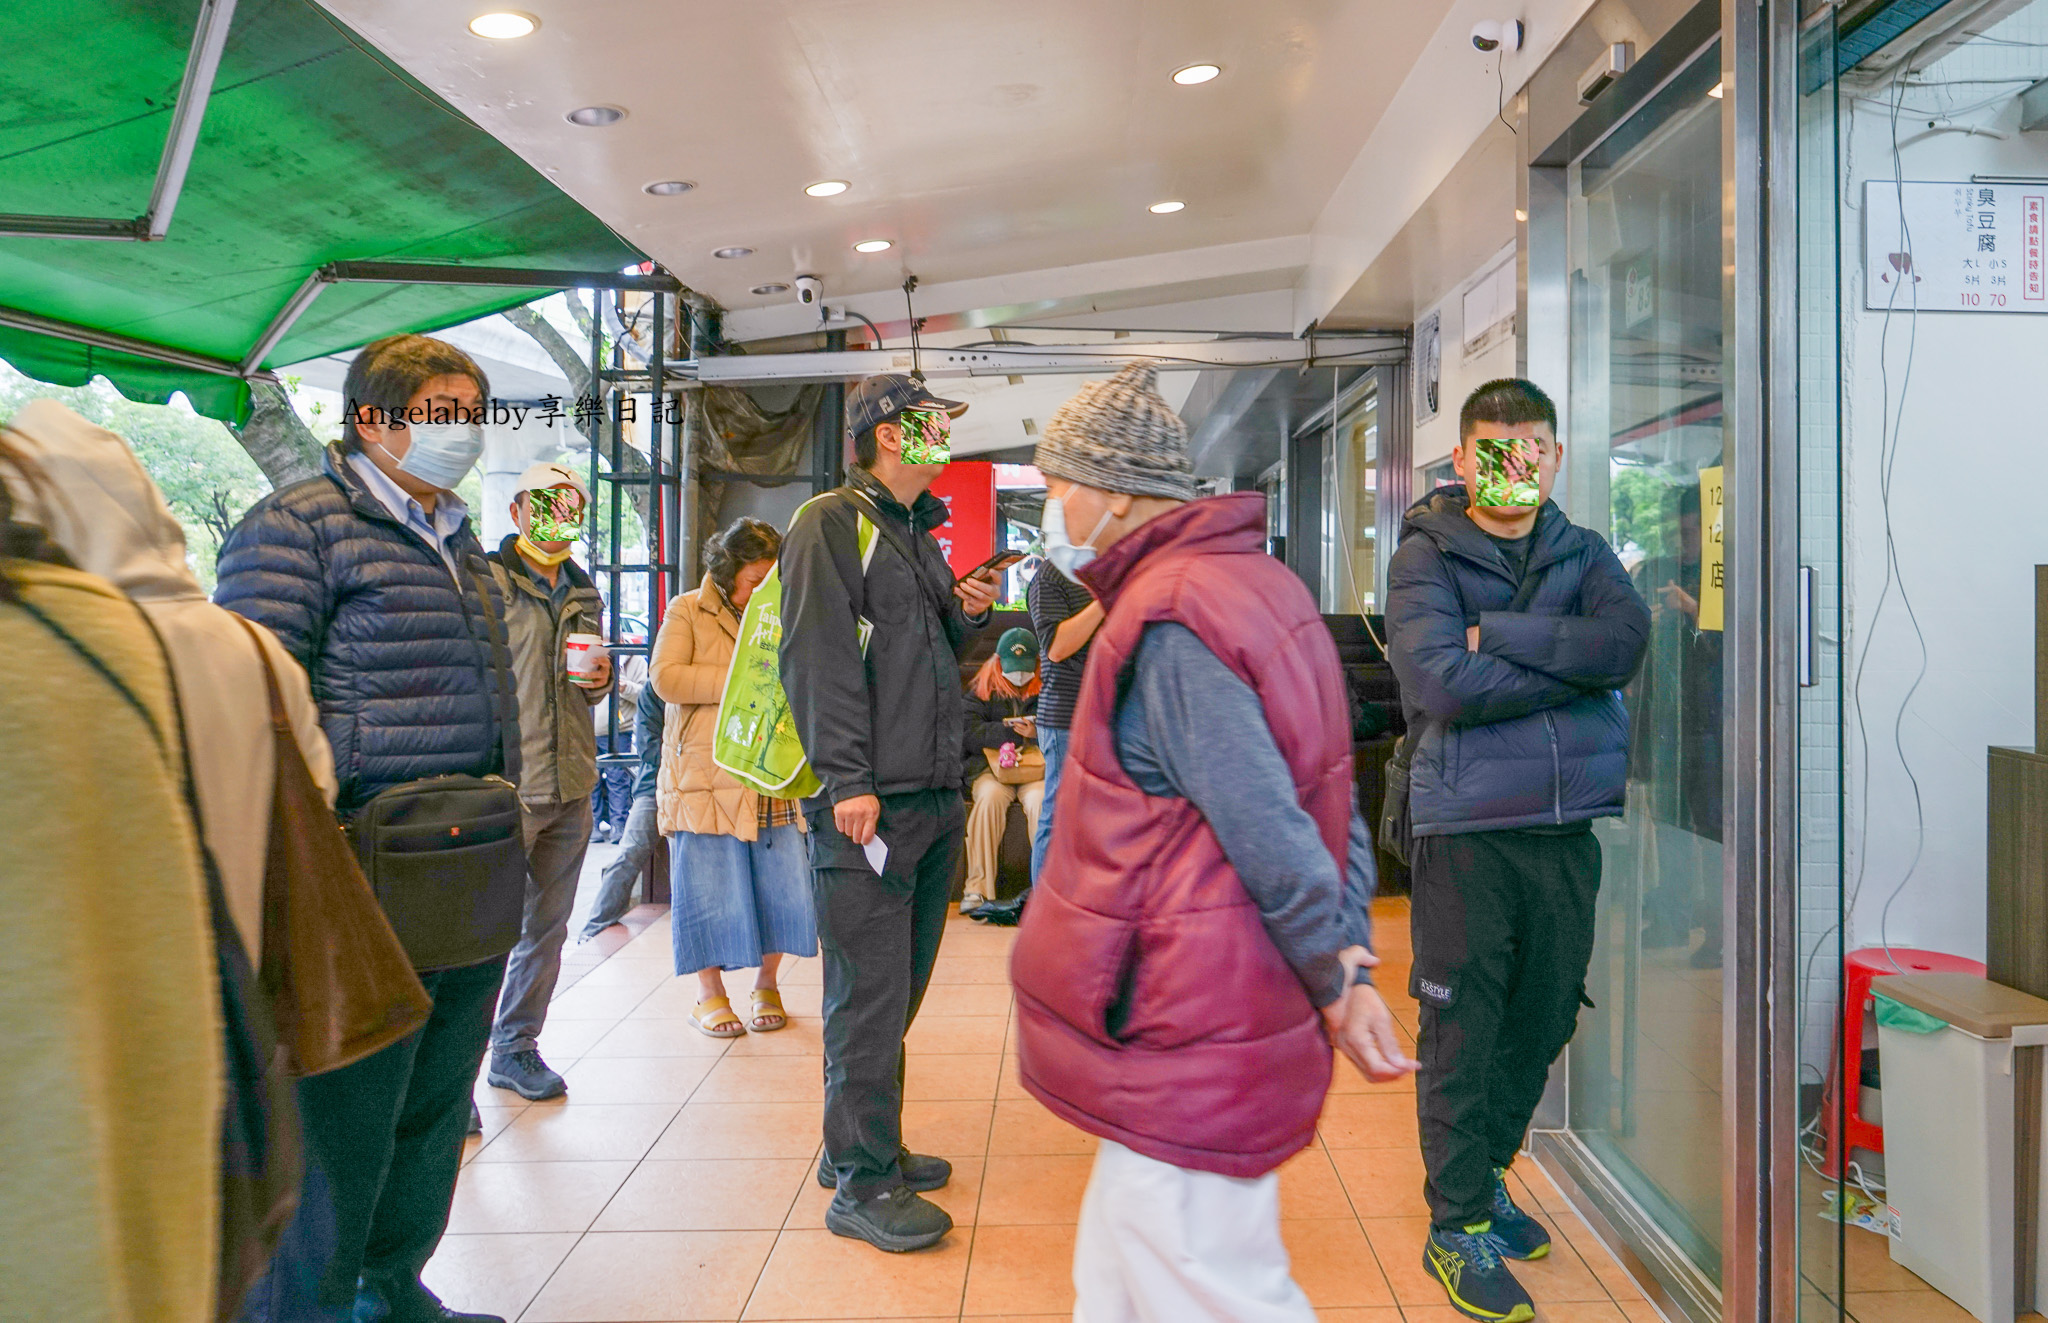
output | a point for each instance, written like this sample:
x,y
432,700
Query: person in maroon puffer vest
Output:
x,y
1200,933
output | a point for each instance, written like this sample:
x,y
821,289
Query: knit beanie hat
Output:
x,y
1119,435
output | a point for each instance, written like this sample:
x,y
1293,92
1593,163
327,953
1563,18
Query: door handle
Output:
x,y
1809,624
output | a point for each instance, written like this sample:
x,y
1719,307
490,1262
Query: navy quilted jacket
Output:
x,y
401,660
1529,730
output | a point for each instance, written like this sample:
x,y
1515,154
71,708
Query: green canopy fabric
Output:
x,y
315,148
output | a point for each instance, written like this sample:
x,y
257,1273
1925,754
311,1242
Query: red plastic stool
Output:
x,y
1858,1032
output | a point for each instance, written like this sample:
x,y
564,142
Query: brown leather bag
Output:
x,y
339,983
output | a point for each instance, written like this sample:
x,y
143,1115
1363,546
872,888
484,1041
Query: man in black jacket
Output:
x,y
1510,629
371,577
873,629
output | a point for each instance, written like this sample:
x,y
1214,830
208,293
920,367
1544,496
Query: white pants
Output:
x,y
1163,1244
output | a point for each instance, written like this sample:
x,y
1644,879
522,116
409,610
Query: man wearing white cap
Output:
x,y
548,599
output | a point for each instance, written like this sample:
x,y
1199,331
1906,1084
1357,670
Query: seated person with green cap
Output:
x,y
1004,764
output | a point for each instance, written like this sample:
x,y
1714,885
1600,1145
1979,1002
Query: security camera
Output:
x,y
1492,34
810,291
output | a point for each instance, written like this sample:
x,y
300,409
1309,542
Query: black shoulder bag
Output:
x,y
446,855
1396,833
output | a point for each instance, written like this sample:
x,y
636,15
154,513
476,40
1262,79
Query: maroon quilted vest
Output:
x,y
1152,1008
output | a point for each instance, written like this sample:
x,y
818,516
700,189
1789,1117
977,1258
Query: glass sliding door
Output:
x,y
1647,468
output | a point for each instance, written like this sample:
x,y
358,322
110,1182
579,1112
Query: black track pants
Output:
x,y
1502,930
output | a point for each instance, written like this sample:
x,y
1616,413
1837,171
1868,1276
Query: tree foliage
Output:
x,y
206,477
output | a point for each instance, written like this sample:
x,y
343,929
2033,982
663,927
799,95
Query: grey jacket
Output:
x,y
557,739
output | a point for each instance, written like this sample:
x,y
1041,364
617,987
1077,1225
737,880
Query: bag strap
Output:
x,y
887,528
278,718
496,629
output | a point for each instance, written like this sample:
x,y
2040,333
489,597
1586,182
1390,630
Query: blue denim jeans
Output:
x,y
1052,742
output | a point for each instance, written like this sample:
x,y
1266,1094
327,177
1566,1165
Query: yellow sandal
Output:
x,y
715,1019
768,1005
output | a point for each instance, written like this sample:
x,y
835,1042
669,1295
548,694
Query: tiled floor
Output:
x,y
676,1181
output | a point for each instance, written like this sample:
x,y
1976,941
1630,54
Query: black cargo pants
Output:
x,y
1502,929
880,937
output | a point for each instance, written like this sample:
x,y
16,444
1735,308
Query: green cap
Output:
x,y
1017,650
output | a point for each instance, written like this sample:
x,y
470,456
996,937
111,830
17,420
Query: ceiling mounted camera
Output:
x,y
810,291
1492,34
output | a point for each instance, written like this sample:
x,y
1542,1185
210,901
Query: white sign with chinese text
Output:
x,y
1959,248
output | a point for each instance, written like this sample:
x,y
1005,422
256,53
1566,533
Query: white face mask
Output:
x,y
1066,557
1019,678
442,454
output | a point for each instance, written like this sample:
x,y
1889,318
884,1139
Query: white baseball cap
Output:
x,y
541,477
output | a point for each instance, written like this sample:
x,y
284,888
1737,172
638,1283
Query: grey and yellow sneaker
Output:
x,y
1467,1264
1515,1233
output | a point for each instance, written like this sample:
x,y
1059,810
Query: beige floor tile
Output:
x,y
1370,1120
731,1194
631,1276
801,1036
563,1041
764,1079
495,1120
800,972
1642,1311
1010,1087
1025,1128
1021,1270
1596,1256
952,970
1560,1277
1583,1311
656,1038
1904,1307
1383,1182
742,1130
608,1080
948,1129
955,1034
644,975
929,1078
960,1197
558,1133
1362,1314
814,1274
495,1274
1432,1313
1334,1264
1309,1187
595,1003
975,999
533,1196
1041,1190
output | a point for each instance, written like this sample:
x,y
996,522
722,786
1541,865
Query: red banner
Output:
x,y
968,487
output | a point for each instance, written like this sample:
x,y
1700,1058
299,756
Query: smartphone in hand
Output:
x,y
995,564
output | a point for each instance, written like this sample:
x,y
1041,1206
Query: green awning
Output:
x,y
314,149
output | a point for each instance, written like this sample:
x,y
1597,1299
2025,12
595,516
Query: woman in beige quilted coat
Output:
x,y
740,876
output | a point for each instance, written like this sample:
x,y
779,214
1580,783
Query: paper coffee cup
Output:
x,y
583,652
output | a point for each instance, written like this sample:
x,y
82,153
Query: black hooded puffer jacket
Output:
x,y
1528,730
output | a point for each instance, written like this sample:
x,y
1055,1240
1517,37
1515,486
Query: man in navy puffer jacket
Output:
x,y
1510,629
372,578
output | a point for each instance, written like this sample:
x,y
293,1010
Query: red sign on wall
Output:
x,y
968,537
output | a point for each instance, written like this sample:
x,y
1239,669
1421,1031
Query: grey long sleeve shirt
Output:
x,y
1188,728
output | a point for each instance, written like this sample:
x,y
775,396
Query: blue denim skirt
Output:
x,y
733,901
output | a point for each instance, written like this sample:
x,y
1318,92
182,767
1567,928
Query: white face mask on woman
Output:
x,y
1065,556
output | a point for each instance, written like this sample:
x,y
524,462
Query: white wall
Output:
x,y
1461,374
1969,447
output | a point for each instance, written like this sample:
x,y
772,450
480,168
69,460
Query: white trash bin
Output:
x,y
1955,1131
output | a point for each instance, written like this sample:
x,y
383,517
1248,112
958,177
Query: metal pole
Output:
x,y
211,35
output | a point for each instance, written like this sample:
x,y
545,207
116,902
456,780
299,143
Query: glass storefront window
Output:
x,y
1646,469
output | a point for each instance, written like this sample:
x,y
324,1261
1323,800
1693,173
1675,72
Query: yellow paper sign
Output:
x,y
1713,558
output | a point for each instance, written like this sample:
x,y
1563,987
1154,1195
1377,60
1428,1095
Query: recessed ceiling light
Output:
x,y
827,188
1165,208
732,252
1520,216
1196,73
596,117
668,188
1715,91
503,25
873,246
772,287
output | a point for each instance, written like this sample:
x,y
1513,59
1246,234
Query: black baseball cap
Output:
x,y
882,399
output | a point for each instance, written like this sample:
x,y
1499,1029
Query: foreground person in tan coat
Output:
x,y
110,1065
741,884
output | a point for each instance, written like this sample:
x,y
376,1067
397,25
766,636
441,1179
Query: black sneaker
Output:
x,y
1515,1234
920,1173
526,1075
1468,1266
476,1119
406,1302
899,1221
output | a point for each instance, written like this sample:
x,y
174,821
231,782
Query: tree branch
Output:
x,y
276,438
